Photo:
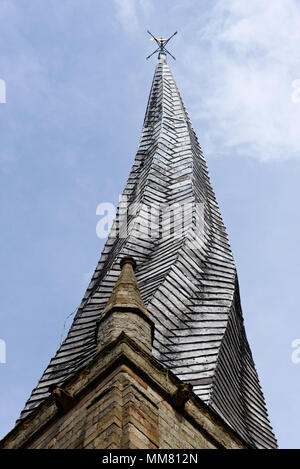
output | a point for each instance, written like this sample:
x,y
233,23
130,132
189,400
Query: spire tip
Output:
x,y
161,43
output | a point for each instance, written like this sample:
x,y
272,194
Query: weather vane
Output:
x,y
161,42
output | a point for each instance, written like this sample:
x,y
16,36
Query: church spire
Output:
x,y
185,271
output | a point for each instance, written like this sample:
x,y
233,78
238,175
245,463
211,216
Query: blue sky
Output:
x,y
77,87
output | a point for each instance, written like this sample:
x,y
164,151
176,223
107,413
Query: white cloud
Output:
x,y
129,13
249,63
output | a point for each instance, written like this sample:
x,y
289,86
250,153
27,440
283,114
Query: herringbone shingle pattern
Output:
x,y
185,271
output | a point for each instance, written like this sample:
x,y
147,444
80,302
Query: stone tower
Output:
x,y
157,355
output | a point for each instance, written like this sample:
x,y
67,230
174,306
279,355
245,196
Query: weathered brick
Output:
x,y
125,409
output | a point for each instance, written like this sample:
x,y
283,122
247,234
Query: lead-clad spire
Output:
x,y
170,223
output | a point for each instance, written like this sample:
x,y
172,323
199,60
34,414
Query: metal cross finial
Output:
x,y
161,42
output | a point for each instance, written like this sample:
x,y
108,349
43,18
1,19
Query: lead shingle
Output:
x,y
189,285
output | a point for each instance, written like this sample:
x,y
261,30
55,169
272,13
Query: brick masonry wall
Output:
x,y
151,422
122,412
122,399
135,326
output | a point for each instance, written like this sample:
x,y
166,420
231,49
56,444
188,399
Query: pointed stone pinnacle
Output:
x,y
126,293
